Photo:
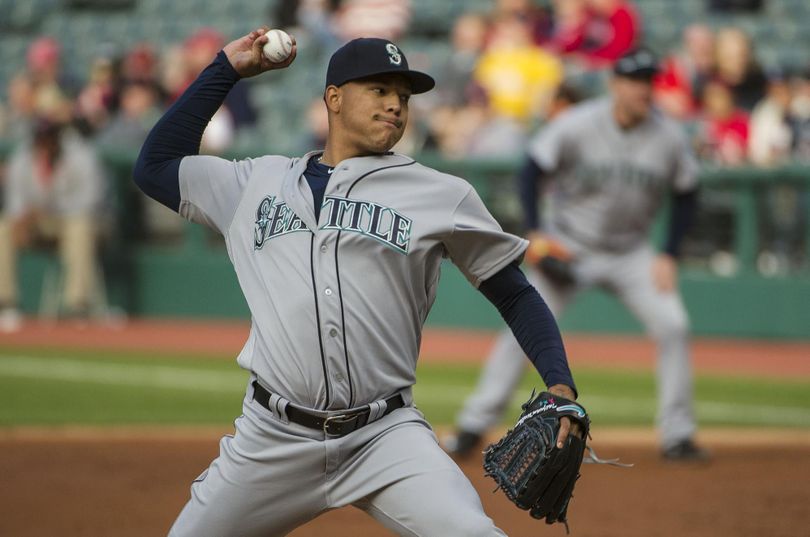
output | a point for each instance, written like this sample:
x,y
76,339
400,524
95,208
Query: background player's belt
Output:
x,y
340,423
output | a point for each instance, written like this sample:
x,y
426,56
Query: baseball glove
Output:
x,y
527,465
552,258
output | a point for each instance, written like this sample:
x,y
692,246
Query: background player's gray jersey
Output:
x,y
608,182
338,304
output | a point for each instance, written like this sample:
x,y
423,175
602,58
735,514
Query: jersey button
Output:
x,y
328,292
324,248
339,377
333,332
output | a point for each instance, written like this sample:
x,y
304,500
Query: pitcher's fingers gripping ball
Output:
x,y
278,47
533,472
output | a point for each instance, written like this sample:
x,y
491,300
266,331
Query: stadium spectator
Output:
x,y
518,77
21,108
771,136
452,128
316,19
738,68
684,73
172,73
387,19
54,190
723,130
43,89
139,109
613,28
140,65
454,77
448,111
98,99
537,19
771,143
570,22
799,117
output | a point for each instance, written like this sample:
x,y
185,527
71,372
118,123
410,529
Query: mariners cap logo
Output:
x,y
393,54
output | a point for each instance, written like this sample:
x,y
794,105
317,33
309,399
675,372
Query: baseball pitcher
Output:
x,y
338,254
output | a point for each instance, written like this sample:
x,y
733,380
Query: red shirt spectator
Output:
x,y
679,85
725,128
570,22
612,29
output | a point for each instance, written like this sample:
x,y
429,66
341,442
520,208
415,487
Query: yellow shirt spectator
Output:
x,y
518,76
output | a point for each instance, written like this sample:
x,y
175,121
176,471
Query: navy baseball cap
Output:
x,y
369,56
637,63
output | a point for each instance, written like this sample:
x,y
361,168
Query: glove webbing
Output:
x,y
525,452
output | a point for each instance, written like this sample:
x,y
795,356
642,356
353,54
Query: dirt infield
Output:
x,y
123,482
133,483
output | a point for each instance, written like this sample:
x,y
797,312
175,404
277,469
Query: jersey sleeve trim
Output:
x,y
514,255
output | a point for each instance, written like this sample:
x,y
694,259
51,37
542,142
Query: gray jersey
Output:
x,y
609,183
338,305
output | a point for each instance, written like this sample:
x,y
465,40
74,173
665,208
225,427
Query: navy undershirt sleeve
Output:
x,y
178,133
532,323
684,207
529,181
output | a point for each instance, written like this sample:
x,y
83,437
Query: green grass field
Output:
x,y
61,387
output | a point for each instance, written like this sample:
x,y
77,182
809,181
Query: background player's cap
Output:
x,y
637,63
369,56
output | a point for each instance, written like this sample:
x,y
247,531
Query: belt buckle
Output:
x,y
334,420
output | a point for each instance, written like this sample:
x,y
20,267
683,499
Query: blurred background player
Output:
x,y
613,162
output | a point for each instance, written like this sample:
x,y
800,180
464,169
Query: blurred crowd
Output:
x,y
496,83
506,71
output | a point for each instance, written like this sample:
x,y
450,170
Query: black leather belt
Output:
x,y
339,424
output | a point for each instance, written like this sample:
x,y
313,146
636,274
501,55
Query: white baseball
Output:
x,y
278,46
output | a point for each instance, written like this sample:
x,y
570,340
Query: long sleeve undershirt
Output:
x,y
531,321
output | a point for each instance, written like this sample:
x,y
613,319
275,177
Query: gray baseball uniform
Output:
x,y
337,308
608,184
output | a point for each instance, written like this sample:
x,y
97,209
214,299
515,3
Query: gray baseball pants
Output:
x,y
273,476
629,277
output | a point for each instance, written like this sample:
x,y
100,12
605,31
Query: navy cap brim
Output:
x,y
420,82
